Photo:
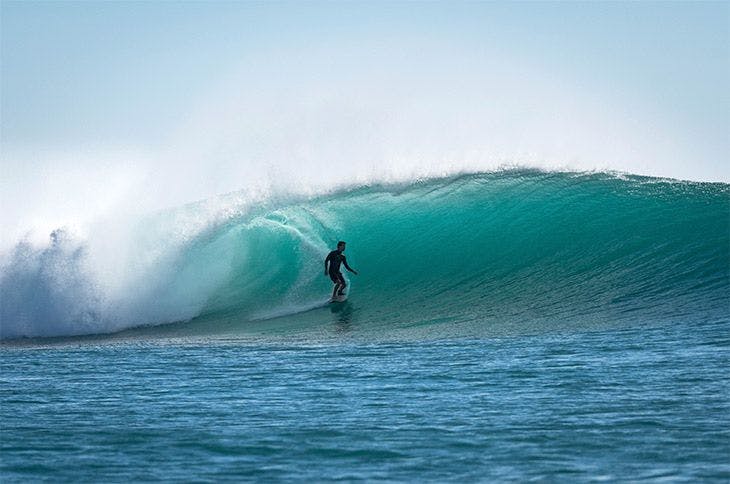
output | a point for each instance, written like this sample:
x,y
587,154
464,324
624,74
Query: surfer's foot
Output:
x,y
340,293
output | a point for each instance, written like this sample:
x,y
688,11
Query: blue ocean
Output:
x,y
505,326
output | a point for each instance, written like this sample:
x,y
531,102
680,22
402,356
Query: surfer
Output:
x,y
335,258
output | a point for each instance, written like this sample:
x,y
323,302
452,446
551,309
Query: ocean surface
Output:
x,y
515,325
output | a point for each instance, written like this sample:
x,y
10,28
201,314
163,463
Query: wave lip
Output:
x,y
525,246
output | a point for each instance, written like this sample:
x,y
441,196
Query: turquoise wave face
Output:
x,y
466,255
526,247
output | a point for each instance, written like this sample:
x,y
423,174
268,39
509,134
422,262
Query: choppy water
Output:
x,y
626,404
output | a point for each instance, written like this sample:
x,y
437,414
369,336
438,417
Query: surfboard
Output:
x,y
337,299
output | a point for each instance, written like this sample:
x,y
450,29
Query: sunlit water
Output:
x,y
514,325
628,403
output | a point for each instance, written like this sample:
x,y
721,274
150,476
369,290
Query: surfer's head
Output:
x,y
341,246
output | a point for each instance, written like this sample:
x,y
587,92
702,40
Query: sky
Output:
x,y
101,102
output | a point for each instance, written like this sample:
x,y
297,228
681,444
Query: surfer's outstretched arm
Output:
x,y
344,261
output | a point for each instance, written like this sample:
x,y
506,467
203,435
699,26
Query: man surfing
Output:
x,y
335,258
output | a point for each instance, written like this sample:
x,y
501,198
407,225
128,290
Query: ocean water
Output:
x,y
512,325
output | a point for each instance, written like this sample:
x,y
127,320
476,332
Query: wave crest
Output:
x,y
521,245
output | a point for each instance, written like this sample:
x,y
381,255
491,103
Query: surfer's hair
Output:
x,y
340,243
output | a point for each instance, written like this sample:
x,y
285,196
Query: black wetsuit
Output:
x,y
335,258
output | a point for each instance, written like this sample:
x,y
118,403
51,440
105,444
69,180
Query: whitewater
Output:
x,y
509,325
468,254
536,198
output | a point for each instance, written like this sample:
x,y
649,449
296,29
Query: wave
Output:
x,y
524,246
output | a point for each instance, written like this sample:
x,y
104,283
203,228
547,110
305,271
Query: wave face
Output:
x,y
522,247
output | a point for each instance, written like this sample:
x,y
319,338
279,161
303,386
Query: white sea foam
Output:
x,y
281,128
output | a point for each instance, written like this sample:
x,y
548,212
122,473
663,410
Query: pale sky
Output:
x,y
211,95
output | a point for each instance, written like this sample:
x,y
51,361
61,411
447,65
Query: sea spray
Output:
x,y
517,245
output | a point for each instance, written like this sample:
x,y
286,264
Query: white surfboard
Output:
x,y
342,298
